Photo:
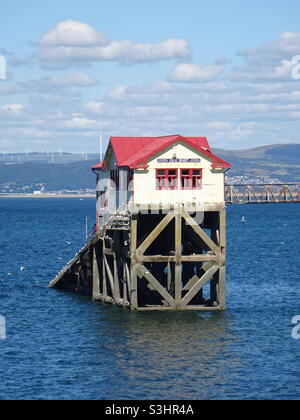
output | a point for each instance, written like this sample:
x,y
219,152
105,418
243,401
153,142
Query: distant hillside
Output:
x,y
30,172
274,162
28,177
46,157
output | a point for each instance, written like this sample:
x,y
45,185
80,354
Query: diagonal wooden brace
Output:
x,y
154,234
199,285
208,241
143,272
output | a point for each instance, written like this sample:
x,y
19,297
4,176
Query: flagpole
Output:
x,y
101,142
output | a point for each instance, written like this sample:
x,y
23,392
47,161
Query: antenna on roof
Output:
x,y
133,123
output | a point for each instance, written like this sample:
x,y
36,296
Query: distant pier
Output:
x,y
262,193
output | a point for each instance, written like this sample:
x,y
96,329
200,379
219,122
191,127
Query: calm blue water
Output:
x,y
61,346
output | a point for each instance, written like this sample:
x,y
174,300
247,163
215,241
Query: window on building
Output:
x,y
166,179
191,179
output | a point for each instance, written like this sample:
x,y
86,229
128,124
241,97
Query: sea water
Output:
x,y
62,346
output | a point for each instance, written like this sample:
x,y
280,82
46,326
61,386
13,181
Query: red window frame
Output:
x,y
189,179
166,179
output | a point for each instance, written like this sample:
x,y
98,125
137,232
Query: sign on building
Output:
x,y
179,160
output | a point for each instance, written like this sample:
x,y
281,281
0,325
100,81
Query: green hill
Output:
x,y
28,177
274,162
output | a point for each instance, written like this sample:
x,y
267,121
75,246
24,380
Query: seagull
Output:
x,y
243,219
68,242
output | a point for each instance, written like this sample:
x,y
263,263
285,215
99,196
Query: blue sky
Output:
x,y
220,69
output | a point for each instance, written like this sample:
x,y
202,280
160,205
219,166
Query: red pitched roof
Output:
x,y
134,152
100,165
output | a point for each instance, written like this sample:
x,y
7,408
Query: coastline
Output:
x,y
47,196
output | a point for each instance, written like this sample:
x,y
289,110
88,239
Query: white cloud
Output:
x,y
77,80
94,107
12,90
51,84
72,42
191,73
79,123
287,44
264,107
117,93
73,34
15,108
270,62
220,125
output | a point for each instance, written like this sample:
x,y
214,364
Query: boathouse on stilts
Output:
x,y
160,235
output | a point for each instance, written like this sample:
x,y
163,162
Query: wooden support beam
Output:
x,y
222,288
191,308
233,193
104,278
105,299
154,234
178,252
206,239
267,194
96,273
222,230
196,242
125,287
110,276
184,258
116,279
133,298
107,251
143,272
128,279
169,278
199,285
222,270
194,280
